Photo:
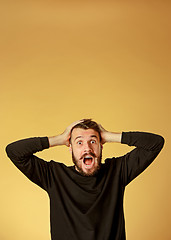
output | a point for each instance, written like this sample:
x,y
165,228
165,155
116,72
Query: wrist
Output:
x,y
56,141
112,137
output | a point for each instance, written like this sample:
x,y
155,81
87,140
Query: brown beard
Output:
x,y
94,173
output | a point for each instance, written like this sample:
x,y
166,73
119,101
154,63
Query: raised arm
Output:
x,y
22,154
147,147
145,140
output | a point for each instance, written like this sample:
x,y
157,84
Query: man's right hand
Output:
x,y
63,139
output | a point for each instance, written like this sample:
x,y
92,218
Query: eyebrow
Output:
x,y
94,136
82,136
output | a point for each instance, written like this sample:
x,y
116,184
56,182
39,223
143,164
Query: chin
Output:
x,y
90,173
79,166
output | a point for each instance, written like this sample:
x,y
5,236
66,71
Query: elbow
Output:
x,y
161,142
9,150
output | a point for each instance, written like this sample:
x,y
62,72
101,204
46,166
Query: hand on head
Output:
x,y
67,133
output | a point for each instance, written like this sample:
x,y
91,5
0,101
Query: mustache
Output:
x,y
85,154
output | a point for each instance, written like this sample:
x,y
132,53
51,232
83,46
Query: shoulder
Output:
x,y
113,163
59,166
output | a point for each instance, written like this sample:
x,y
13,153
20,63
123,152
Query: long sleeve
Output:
x,y
147,145
22,155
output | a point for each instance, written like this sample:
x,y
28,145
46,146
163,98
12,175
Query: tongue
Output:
x,y
88,161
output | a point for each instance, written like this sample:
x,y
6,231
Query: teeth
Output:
x,y
87,158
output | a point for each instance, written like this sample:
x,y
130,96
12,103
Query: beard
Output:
x,y
88,173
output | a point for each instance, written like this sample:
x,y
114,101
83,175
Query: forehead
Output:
x,y
84,133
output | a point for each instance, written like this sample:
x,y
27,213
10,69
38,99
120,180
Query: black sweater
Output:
x,y
81,207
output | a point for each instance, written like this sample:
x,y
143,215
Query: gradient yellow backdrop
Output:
x,y
66,60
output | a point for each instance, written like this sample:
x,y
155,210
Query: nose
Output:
x,y
87,147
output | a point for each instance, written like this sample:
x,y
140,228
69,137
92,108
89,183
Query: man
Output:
x,y
86,200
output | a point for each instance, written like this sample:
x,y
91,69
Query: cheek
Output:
x,y
76,151
98,148
99,151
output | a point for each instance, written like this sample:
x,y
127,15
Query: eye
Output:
x,y
93,141
79,142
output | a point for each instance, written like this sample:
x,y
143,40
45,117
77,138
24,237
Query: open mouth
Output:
x,y
87,160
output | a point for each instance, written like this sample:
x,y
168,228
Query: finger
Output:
x,y
75,123
101,128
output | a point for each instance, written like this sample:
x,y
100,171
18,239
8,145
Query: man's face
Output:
x,y
86,151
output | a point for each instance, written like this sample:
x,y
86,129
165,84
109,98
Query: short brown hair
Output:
x,y
88,124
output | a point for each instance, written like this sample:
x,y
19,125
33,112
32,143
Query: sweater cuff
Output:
x,y
44,142
125,137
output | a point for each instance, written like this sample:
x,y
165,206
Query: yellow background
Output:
x,y
66,60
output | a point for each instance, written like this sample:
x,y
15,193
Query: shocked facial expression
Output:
x,y
86,151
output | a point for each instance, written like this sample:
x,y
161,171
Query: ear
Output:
x,y
70,148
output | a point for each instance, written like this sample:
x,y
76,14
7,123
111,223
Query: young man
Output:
x,y
86,200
